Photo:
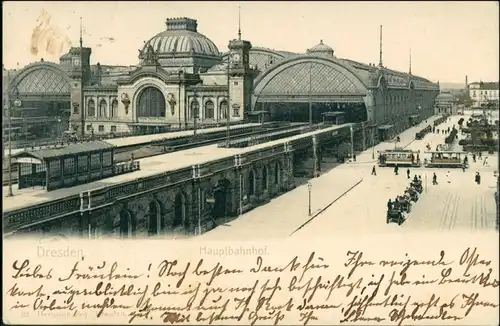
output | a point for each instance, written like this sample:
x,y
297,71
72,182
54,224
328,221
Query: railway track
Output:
x,y
162,148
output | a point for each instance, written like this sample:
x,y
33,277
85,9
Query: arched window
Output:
x,y
195,108
151,103
103,107
251,183
277,173
91,108
223,107
114,108
209,109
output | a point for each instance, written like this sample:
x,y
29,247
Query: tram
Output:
x,y
445,159
399,156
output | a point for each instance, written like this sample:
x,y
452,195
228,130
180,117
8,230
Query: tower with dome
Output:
x,y
182,77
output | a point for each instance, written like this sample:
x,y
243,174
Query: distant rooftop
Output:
x,y
486,85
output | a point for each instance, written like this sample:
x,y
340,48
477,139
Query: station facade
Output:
x,y
182,78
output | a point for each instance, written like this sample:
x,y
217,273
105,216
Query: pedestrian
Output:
x,y
396,168
389,205
485,160
474,157
434,179
408,173
374,172
354,157
477,178
480,155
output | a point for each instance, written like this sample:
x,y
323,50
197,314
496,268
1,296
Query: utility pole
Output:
x,y
17,103
9,194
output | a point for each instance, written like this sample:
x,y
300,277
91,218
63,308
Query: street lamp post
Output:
x,y
17,103
373,145
25,131
309,188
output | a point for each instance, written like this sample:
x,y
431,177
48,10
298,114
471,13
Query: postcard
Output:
x,y
250,163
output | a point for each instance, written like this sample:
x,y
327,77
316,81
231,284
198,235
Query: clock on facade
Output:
x,y
236,57
76,62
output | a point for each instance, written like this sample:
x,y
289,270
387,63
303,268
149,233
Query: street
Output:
x,y
458,205
358,200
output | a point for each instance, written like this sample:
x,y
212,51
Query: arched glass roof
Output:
x,y
43,79
315,75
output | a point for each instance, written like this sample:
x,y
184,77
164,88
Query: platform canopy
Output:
x,y
39,155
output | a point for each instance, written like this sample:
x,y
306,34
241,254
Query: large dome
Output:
x,y
180,37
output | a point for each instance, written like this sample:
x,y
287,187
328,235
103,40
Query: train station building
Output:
x,y
182,78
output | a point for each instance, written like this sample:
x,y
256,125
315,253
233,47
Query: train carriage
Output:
x,y
445,159
399,156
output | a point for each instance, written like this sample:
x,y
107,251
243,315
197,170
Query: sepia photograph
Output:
x,y
188,162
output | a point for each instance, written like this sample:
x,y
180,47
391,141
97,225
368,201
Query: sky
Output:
x,y
448,40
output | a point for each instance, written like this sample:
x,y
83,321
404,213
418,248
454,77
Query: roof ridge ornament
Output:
x,y
149,57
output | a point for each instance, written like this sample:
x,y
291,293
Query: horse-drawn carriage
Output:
x,y
395,215
397,209
399,156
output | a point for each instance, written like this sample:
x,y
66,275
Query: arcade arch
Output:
x,y
154,218
124,224
180,211
151,103
251,184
